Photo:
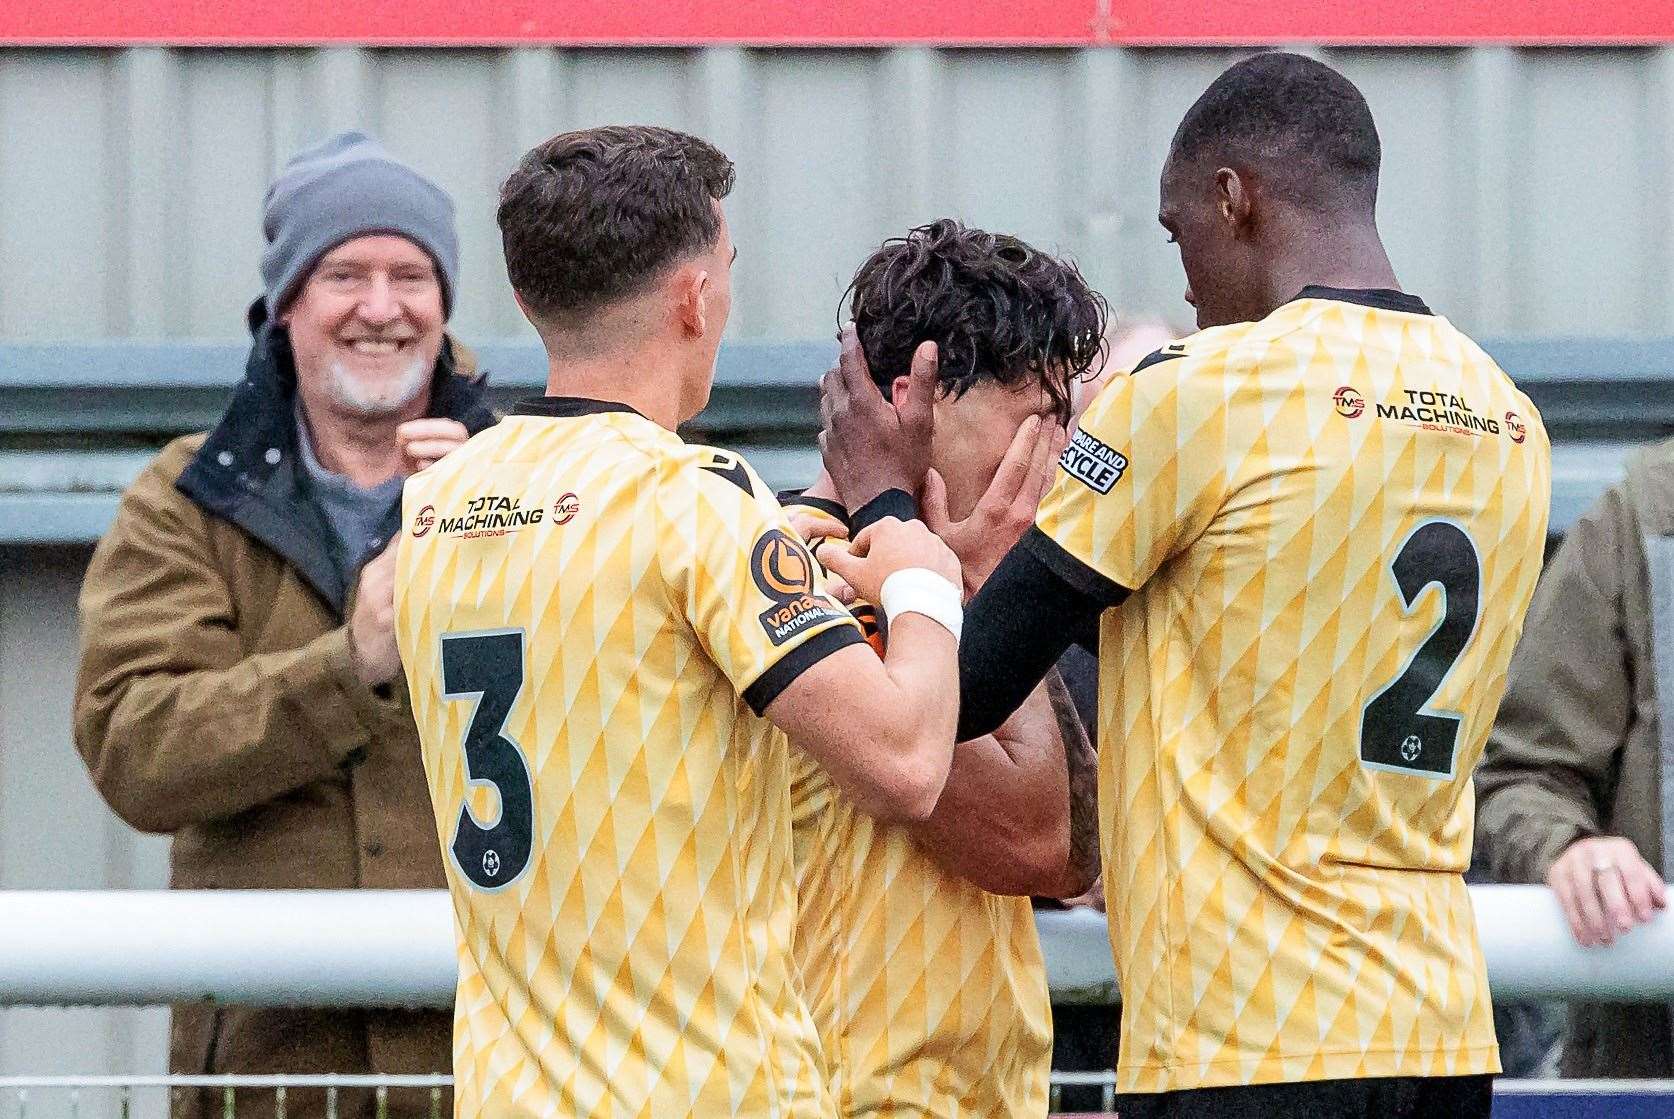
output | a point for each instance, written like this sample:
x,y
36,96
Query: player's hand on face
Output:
x,y
424,442
884,548
1605,888
1006,509
372,646
868,444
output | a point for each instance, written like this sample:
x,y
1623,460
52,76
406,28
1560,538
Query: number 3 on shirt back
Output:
x,y
488,667
1398,732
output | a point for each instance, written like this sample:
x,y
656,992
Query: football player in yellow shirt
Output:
x,y
1308,536
609,634
929,990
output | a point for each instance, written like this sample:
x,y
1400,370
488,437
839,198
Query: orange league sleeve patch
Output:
x,y
871,625
783,570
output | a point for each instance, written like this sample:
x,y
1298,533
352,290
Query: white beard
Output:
x,y
379,399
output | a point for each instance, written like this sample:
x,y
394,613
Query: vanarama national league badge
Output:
x,y
783,571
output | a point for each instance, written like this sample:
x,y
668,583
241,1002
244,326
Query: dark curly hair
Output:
x,y
997,309
594,216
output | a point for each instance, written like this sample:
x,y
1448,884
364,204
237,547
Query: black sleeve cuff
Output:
x,y
891,503
824,505
1016,628
787,668
1071,570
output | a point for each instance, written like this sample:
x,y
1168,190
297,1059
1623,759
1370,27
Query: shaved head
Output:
x,y
1273,173
1305,126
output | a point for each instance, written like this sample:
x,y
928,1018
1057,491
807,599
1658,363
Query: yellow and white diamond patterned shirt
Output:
x,y
929,994
1332,521
588,609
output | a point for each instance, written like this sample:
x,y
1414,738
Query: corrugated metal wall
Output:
x,y
55,833
1525,192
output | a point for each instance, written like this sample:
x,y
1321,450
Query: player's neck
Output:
x,y
823,487
1352,258
647,382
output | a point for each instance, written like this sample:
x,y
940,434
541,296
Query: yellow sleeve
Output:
x,y
1144,474
754,597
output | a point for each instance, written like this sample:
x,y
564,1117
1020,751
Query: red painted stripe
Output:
x,y
831,22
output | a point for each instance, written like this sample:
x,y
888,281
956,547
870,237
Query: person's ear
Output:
x,y
1234,198
691,300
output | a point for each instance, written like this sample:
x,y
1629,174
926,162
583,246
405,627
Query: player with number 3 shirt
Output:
x,y
613,638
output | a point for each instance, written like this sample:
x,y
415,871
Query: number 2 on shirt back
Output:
x,y
1398,731
489,668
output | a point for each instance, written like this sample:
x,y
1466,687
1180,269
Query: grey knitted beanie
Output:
x,y
343,188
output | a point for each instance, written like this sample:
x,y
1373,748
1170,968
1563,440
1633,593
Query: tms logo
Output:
x,y
1349,402
565,509
1515,427
424,521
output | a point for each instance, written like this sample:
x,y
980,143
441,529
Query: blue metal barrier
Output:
x,y
1584,1099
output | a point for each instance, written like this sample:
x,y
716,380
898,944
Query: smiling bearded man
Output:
x,y
240,687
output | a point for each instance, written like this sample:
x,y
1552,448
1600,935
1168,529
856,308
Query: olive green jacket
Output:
x,y
1578,748
216,702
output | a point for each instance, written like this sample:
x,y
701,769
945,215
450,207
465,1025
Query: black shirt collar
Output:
x,y
1384,299
566,406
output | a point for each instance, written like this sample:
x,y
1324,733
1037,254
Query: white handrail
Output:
x,y
395,948
247,947
230,1080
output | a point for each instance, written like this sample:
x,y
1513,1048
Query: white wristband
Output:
x,y
918,590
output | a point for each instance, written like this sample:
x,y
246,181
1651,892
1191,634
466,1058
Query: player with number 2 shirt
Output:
x,y
1303,541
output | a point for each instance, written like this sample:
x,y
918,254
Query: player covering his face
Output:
x,y
1002,332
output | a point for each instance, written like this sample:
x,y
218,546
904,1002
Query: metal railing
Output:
x,y
18,1094
79,420
80,1097
395,948
127,1092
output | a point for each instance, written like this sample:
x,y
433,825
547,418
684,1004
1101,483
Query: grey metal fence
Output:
x,y
78,421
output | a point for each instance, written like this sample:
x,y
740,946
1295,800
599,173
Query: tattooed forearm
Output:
x,y
1083,866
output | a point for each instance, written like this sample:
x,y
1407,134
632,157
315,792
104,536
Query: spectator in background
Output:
x,y
239,685
1574,788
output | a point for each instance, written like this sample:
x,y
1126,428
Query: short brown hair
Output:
x,y
591,217
997,308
